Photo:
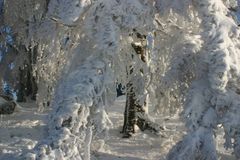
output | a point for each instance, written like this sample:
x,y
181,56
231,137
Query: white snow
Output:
x,y
21,131
203,58
72,10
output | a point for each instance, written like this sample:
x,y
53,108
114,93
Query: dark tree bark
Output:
x,y
136,114
27,86
7,105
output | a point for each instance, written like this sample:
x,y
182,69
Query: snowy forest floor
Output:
x,y
21,131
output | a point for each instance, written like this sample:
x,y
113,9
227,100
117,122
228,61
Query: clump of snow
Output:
x,y
72,10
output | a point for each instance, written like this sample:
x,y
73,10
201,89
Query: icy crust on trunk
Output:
x,y
78,113
213,98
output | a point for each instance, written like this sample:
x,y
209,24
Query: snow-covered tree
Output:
x,y
183,54
136,110
211,96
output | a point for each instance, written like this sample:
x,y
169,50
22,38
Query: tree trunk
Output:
x,y
27,84
136,114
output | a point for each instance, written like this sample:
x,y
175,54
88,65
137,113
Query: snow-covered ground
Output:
x,y
142,146
21,131
145,146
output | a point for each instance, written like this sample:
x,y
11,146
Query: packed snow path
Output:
x,y
20,132
144,146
